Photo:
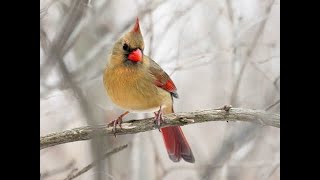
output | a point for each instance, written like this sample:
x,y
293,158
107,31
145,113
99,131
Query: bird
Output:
x,y
137,84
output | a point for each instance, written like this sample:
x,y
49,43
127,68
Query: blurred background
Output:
x,y
217,52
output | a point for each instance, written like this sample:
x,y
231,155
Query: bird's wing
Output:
x,y
162,78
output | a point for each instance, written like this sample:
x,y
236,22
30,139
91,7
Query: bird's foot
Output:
x,y
158,119
116,122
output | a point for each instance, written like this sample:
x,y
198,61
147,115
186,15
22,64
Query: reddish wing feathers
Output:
x,y
174,140
168,85
162,78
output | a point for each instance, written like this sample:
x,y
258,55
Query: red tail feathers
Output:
x,y
176,144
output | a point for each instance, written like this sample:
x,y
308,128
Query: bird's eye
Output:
x,y
125,47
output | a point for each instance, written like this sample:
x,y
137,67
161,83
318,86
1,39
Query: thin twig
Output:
x,y
157,158
267,59
94,163
176,119
264,74
68,166
55,56
248,55
272,105
242,136
276,80
71,173
75,15
273,170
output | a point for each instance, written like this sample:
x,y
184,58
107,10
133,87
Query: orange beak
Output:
x,y
135,55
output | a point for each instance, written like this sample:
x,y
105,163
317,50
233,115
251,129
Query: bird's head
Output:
x,y
129,48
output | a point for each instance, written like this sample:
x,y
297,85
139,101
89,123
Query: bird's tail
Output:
x,y
175,142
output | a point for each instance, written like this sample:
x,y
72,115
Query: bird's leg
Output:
x,y
158,118
117,121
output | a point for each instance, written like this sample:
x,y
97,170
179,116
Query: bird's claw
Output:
x,y
158,119
114,124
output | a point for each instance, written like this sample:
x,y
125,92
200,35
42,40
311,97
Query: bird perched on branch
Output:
x,y
136,83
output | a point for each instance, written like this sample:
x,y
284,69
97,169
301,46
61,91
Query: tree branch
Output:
x,y
180,119
273,104
73,175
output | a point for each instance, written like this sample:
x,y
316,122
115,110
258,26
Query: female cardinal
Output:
x,y
136,83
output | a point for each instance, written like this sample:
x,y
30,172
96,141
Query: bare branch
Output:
x,y
180,119
268,59
264,74
272,105
47,174
58,47
241,135
76,12
276,80
273,170
44,40
94,163
44,11
249,53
